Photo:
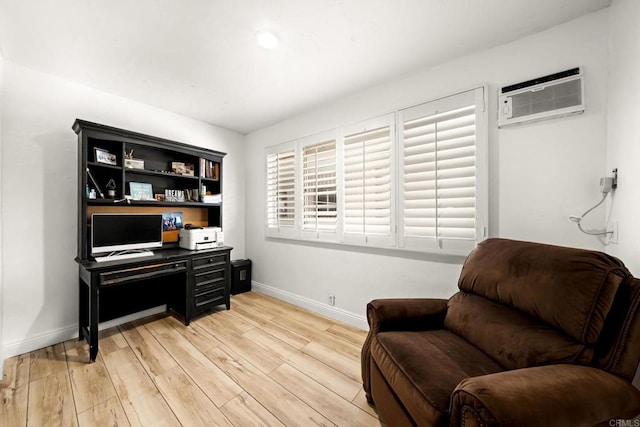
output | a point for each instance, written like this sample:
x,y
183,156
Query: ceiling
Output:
x,y
199,58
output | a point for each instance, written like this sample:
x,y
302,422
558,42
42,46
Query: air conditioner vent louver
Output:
x,y
546,97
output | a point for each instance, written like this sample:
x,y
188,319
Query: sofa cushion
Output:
x,y
512,338
540,280
423,368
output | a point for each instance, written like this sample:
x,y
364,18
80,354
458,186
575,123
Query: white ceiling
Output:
x,y
199,57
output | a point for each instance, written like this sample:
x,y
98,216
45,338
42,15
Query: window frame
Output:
x,y
367,238
396,239
321,235
278,230
447,244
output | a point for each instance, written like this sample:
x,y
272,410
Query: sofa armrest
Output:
x,y
407,314
554,395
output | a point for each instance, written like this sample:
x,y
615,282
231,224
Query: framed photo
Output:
x,y
181,168
103,156
178,168
141,191
171,221
189,169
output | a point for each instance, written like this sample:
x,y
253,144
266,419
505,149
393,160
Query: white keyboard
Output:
x,y
123,256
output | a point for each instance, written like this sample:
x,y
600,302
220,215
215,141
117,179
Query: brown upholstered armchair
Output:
x,y
537,335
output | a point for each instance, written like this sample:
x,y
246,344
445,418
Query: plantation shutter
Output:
x,y
438,195
368,201
319,195
281,191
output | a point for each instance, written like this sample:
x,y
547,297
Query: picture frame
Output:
x,y
180,168
189,169
141,191
105,157
172,221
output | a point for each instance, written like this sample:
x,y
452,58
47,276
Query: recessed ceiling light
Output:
x,y
267,39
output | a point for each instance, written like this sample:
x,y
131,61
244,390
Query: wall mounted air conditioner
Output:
x,y
551,96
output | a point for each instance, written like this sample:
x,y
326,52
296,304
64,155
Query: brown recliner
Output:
x,y
538,335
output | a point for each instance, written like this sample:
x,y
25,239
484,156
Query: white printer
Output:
x,y
197,238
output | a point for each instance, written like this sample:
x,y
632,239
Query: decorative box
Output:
x,y
134,163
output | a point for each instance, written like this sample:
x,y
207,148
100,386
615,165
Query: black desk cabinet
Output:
x,y
188,282
211,284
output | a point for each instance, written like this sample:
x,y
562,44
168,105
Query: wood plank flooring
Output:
x,y
262,363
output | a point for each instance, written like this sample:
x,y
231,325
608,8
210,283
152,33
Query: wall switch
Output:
x,y
612,237
332,299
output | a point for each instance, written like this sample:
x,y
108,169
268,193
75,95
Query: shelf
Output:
x,y
104,165
159,156
154,173
111,202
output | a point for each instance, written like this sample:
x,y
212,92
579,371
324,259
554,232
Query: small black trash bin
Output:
x,y
240,276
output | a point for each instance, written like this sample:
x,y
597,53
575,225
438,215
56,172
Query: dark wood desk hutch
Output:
x,y
188,282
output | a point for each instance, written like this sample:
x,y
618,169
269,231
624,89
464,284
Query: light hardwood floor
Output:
x,y
264,362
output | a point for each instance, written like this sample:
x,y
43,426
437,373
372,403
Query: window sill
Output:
x,y
426,255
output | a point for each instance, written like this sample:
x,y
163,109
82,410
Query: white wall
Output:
x,y
539,173
39,185
1,270
623,128
623,131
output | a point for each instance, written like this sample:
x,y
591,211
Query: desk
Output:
x,y
188,282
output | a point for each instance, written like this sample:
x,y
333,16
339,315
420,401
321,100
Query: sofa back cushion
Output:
x,y
528,304
571,290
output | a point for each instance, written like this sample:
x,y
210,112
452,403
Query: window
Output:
x,y
368,195
440,173
281,191
422,188
319,192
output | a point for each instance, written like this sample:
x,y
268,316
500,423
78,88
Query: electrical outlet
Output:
x,y
613,237
332,299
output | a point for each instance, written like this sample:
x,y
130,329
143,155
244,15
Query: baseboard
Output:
x,y
313,305
40,341
59,335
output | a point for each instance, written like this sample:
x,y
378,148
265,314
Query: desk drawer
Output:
x,y
132,274
210,297
210,277
212,260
